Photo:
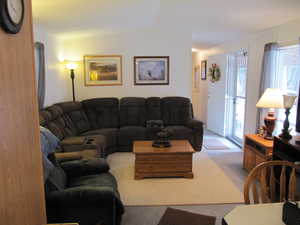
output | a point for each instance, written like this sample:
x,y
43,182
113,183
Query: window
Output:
x,y
287,78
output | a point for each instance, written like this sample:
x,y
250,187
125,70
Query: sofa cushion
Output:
x,y
47,121
60,121
102,112
132,111
111,135
129,134
180,132
176,110
45,117
153,108
76,113
102,179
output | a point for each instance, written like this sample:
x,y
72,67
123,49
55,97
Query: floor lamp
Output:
x,y
72,66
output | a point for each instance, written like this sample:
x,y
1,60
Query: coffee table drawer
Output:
x,y
163,168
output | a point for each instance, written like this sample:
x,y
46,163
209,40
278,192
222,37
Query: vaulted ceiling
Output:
x,y
210,22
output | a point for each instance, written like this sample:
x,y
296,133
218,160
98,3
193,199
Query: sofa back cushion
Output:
x,y
133,111
102,112
60,124
45,118
153,109
176,110
75,112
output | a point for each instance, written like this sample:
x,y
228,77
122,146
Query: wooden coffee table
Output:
x,y
175,161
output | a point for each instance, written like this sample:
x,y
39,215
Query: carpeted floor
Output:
x,y
209,185
229,160
214,144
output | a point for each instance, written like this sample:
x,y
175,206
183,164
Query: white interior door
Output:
x,y
216,98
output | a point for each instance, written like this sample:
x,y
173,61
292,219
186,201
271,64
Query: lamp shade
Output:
x,y
272,98
289,100
71,65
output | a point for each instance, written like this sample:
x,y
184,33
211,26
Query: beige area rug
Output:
x,y
214,144
209,186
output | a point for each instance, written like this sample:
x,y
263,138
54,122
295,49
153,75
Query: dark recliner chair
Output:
x,y
132,122
177,114
103,114
67,121
82,191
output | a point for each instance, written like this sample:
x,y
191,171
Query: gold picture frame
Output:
x,y
102,70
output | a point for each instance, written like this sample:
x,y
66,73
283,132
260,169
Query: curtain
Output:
x,y
40,72
267,76
298,103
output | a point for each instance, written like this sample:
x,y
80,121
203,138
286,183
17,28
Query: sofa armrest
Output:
x,y
81,196
82,167
195,124
67,156
73,141
197,127
78,144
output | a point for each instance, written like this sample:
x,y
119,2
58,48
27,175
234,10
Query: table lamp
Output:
x,y
72,66
288,102
272,98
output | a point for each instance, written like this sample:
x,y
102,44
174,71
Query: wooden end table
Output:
x,y
256,150
175,161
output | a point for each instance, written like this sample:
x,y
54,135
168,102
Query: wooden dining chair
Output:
x,y
272,188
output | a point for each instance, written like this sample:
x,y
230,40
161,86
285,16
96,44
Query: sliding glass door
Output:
x,y
237,80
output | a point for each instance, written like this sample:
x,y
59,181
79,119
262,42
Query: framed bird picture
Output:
x,y
151,70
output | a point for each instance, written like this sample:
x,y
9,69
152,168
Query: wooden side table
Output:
x,y
256,150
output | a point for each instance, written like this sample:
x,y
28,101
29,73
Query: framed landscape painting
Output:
x,y
151,70
103,70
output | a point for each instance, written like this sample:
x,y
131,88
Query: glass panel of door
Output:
x,y
239,97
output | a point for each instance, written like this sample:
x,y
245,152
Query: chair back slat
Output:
x,y
283,184
263,186
292,185
255,193
272,185
269,181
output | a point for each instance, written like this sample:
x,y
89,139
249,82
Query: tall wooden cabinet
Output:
x,y
256,151
21,175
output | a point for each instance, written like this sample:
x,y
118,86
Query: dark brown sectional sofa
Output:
x,y
111,125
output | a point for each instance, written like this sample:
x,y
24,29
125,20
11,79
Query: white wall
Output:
x,y
285,33
199,94
151,42
57,82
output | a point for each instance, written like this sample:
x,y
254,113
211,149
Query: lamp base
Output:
x,y
269,120
285,135
285,131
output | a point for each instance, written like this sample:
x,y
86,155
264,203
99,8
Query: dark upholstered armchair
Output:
x,y
82,191
177,114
